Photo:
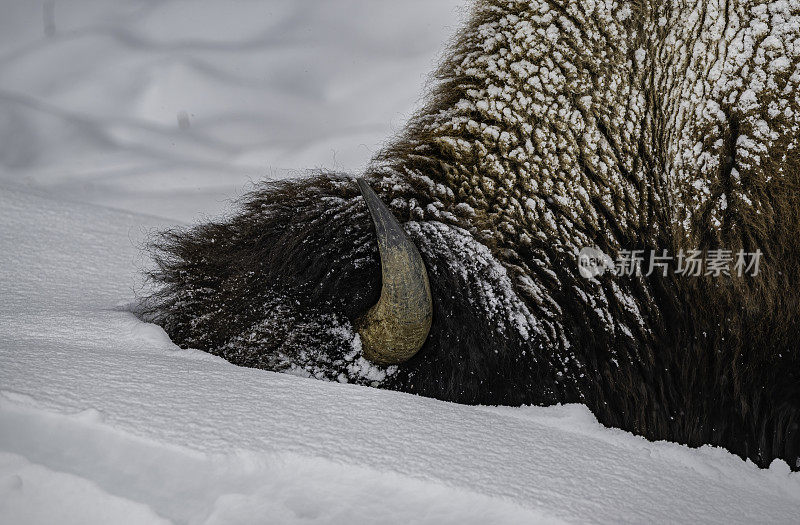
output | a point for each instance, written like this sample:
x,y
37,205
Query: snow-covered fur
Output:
x,y
550,126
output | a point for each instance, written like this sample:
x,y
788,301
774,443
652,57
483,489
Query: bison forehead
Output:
x,y
732,126
559,123
541,130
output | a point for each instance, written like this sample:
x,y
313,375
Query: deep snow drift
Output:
x,y
103,419
166,108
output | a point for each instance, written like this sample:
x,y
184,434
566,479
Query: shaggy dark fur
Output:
x,y
702,360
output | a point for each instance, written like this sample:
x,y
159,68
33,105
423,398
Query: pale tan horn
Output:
x,y
395,328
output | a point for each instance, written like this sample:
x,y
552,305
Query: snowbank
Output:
x,y
102,418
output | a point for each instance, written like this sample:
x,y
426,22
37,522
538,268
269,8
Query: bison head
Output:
x,y
449,270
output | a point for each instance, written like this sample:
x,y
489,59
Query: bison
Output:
x,y
448,269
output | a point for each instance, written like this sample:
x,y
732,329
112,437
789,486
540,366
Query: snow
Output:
x,y
172,107
103,418
131,116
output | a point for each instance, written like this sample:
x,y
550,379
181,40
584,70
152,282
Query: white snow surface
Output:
x,y
165,109
171,107
103,419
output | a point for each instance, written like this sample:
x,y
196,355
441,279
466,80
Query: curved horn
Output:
x,y
395,328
